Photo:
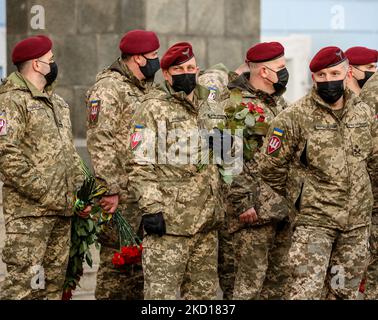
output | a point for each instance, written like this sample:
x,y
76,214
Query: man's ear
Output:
x,y
166,75
349,72
35,65
138,59
263,73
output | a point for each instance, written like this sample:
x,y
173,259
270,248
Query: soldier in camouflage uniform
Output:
x,y
363,62
333,135
179,203
111,102
369,94
260,241
40,169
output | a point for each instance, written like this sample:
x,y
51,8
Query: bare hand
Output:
x,y
109,203
250,216
85,213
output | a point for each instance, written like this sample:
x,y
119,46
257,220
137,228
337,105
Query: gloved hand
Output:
x,y
154,224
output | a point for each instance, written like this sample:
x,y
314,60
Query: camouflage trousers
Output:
x,y
36,254
115,285
261,261
177,266
371,288
326,257
226,263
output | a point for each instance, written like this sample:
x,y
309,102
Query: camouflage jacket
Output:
x,y
246,191
39,164
111,102
216,80
369,94
187,197
335,153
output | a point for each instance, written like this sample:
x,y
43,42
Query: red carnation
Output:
x,y
67,294
131,254
261,119
251,107
118,260
259,110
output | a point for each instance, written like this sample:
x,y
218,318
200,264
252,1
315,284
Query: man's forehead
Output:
x,y
339,67
280,62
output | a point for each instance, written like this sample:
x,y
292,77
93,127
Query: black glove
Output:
x,y
154,224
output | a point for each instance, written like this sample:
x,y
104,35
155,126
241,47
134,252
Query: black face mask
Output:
x,y
368,75
283,79
53,74
151,67
330,91
184,82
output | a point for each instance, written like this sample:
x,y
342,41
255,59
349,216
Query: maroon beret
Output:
x,y
326,58
361,55
139,42
177,54
265,51
31,48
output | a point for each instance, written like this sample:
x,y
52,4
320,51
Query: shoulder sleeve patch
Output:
x,y
94,111
3,124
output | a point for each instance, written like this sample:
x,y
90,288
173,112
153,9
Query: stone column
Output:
x,y
86,34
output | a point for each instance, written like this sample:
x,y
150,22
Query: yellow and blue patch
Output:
x,y
278,132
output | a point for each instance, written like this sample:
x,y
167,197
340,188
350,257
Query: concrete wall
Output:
x,y
86,34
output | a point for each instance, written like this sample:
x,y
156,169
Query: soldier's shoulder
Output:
x,y
155,95
109,82
361,106
59,100
371,85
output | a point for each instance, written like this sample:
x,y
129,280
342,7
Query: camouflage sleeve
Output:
x,y
16,168
104,112
373,159
144,178
278,150
369,92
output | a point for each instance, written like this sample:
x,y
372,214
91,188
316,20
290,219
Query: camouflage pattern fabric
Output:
x,y
189,199
36,254
327,256
40,169
336,199
111,102
183,267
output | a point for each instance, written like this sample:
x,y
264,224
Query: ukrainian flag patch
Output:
x,y
278,132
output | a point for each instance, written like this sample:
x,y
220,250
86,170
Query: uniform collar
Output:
x,y
248,91
20,82
200,93
121,67
349,99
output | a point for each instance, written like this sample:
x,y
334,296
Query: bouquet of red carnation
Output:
x,y
130,245
128,255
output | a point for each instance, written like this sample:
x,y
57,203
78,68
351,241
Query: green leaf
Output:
x,y
250,120
241,114
227,178
90,225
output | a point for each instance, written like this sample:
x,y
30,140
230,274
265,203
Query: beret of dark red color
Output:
x,y
326,58
177,54
31,48
139,42
265,51
358,56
